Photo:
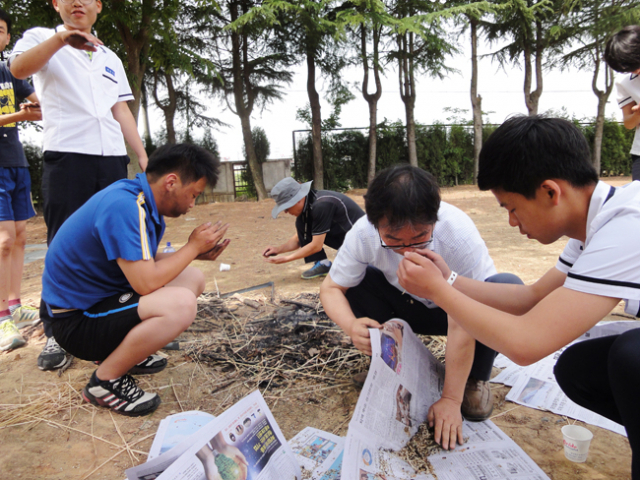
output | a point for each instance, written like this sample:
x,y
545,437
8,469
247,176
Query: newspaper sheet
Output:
x,y
319,453
404,380
243,443
535,386
176,428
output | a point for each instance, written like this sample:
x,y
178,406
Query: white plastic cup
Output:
x,y
576,441
224,267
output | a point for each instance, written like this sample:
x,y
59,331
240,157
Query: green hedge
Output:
x,y
444,150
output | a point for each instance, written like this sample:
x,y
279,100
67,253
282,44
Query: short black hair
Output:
x,y
527,150
622,52
403,195
190,162
7,19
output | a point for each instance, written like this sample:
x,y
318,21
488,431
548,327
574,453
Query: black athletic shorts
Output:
x,y
94,333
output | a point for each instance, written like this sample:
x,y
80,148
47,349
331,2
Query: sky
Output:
x,y
501,91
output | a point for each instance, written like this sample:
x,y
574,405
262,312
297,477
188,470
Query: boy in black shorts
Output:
x,y
112,298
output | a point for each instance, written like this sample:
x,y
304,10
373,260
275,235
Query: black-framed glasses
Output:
x,y
411,245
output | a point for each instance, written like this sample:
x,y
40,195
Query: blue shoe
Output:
x,y
318,270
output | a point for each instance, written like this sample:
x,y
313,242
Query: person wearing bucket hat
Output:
x,y
323,218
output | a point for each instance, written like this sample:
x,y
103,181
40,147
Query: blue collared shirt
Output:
x,y
121,221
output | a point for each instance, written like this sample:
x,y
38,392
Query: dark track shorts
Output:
x,y
94,333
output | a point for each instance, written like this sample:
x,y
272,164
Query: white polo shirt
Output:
x,y
76,94
628,88
608,262
456,239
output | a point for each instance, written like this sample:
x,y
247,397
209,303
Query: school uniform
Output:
x,y
369,271
84,149
628,88
603,374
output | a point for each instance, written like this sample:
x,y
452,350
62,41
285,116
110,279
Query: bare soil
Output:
x,y
46,432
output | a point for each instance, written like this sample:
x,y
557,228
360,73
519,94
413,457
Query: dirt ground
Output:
x,y
51,434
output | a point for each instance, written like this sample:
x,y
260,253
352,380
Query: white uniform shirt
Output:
x,y
76,94
456,239
608,262
628,88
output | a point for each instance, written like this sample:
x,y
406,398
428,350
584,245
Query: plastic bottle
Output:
x,y
169,248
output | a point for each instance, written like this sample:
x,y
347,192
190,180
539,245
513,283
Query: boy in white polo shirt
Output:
x,y
83,91
540,171
622,54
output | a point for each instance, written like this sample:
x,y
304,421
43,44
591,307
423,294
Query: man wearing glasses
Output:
x,y
404,214
83,91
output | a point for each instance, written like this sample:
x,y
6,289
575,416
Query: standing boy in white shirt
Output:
x,y
622,54
83,92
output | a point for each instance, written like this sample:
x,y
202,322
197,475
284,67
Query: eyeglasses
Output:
x,y
84,2
411,245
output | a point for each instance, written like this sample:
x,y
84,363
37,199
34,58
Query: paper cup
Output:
x,y
224,267
576,440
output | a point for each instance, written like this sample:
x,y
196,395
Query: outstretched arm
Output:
x,y
314,247
32,61
515,299
557,319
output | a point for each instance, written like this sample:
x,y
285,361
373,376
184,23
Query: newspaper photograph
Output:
x,y
176,428
319,453
243,443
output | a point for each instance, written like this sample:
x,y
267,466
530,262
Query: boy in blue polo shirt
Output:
x,y
15,196
112,298
83,90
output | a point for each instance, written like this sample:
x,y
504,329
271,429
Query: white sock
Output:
x,y
326,262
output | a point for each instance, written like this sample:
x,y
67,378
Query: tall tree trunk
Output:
x,y
145,111
532,98
316,121
406,79
168,106
476,100
244,97
371,98
603,96
136,46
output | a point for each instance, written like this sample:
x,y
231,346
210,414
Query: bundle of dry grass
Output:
x,y
273,346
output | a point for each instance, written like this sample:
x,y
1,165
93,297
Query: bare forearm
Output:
x,y
32,61
289,245
124,117
515,299
337,307
11,118
630,117
458,358
304,252
152,275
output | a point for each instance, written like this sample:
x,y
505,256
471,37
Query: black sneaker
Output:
x,y
318,270
121,395
151,364
52,356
